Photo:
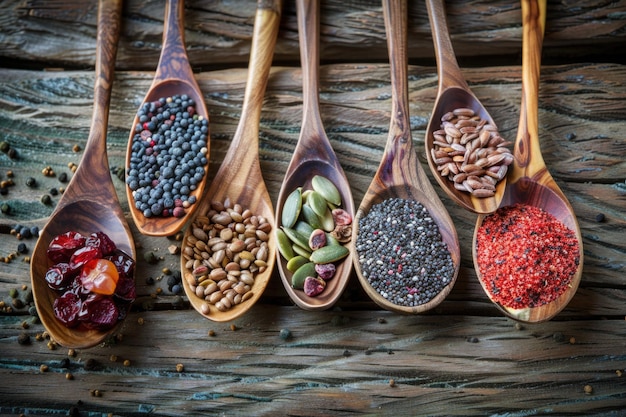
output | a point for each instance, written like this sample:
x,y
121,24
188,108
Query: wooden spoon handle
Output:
x,y
173,62
95,155
527,150
448,69
308,33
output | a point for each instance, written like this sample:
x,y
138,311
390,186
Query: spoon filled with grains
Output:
x,y
228,251
406,251
168,147
315,209
466,154
528,254
82,268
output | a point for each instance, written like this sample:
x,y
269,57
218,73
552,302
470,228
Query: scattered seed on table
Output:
x,y
402,254
180,367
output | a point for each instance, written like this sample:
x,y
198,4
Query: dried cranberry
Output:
x,y
125,289
325,271
66,309
314,286
98,312
60,276
63,246
84,255
125,264
102,241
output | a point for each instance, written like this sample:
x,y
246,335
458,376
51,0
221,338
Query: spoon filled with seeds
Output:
x,y
168,147
80,295
464,149
229,250
528,254
315,209
406,251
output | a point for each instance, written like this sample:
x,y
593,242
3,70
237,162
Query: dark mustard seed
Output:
x,y
402,254
62,177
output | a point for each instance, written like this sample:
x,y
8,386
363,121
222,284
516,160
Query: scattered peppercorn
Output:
x,y
472,339
43,368
572,340
600,217
5,146
23,339
71,353
285,334
588,389
64,363
63,177
619,372
22,248
5,208
140,321
212,333
69,376
392,383
46,199
180,367
76,148
31,182
113,358
126,362
150,257
90,364
233,327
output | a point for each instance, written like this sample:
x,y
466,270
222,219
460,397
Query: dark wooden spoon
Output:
x,y
84,207
239,178
173,77
399,174
529,181
313,155
454,93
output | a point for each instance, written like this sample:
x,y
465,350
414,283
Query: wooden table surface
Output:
x,y
464,358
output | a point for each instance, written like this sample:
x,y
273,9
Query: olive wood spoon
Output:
x,y
453,93
312,156
84,208
399,174
173,76
239,178
529,181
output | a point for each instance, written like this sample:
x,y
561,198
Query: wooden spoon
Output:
x,y
399,174
529,181
173,77
312,156
239,178
454,93
84,208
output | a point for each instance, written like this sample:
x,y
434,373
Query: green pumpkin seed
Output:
x,y
310,217
328,254
326,189
331,240
296,237
303,227
284,244
328,222
299,250
317,203
296,262
298,277
291,208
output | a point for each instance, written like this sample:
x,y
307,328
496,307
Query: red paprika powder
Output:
x,y
526,257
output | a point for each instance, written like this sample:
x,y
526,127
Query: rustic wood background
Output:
x,y
465,358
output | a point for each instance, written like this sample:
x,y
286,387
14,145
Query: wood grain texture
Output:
x,y
340,361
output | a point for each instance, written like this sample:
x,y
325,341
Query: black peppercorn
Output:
x,y
31,182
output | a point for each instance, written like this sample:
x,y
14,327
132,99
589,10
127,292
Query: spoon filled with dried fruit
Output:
x,y
315,209
407,253
168,147
82,268
528,255
465,152
228,250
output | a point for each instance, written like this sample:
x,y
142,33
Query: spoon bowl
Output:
x,y
399,173
84,208
529,181
453,93
239,179
173,76
312,156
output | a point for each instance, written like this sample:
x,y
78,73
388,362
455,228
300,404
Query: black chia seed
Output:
x,y
168,156
402,254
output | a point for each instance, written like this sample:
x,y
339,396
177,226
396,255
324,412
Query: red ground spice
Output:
x,y
526,256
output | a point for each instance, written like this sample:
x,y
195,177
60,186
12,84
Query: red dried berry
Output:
x,y
314,286
125,264
341,217
98,312
84,255
60,276
325,271
63,246
66,309
126,289
102,241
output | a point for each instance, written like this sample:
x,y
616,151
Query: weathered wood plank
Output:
x,y
336,363
62,33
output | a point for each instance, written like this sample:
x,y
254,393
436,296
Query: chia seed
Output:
x,y
402,254
168,155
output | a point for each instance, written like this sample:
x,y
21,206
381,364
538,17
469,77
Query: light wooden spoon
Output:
x,y
529,181
173,77
453,93
84,208
239,178
399,174
312,156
